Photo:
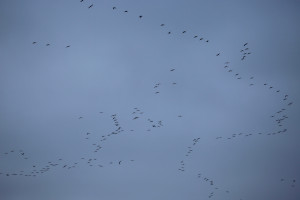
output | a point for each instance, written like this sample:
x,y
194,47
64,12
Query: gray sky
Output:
x,y
55,143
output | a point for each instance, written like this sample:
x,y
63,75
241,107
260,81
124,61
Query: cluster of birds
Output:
x,y
90,5
292,183
189,151
39,170
137,115
157,85
245,51
21,153
211,183
48,44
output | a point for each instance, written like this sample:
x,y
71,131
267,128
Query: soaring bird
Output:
x,y
48,44
201,38
80,117
33,42
81,0
91,5
218,54
68,46
195,36
245,43
169,32
162,25
126,11
114,8
120,162
140,16
183,31
172,70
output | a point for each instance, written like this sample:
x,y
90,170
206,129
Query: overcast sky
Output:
x,y
173,99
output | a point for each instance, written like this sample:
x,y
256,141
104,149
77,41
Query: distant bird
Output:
x,y
169,32
126,11
195,36
245,43
33,42
207,41
114,8
68,46
140,16
156,92
48,44
172,70
80,117
218,54
135,118
162,25
91,5
252,77
201,38
179,116
81,0
183,31
120,162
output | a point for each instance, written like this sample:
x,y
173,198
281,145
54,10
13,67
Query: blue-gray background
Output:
x,y
114,61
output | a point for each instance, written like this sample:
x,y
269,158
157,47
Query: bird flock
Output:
x,y
98,140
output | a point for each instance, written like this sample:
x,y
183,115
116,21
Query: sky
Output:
x,y
149,99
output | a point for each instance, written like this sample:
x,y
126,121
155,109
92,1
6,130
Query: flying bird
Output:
x,y
33,42
68,46
245,43
91,5
140,16
114,8
172,70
